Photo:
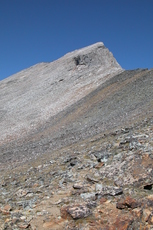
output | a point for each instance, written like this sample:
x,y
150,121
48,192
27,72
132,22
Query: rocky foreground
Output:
x,y
87,167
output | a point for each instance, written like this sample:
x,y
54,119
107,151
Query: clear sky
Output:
x,y
33,31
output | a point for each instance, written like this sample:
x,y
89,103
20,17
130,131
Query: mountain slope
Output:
x,y
76,148
34,95
122,100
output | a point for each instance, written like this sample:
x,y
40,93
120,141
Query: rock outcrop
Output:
x,y
76,145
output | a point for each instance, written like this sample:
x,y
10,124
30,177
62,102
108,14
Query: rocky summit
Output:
x,y
76,145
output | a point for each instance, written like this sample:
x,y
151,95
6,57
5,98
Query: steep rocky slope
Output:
x,y
76,146
34,95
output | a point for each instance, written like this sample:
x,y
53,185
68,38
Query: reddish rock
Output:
x,y
150,220
103,200
64,212
23,225
137,212
99,165
6,209
132,203
146,214
121,204
35,185
127,203
146,228
122,224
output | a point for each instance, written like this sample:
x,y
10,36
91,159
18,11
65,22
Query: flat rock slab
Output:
x,y
110,190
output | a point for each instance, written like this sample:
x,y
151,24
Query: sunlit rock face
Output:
x,y
32,96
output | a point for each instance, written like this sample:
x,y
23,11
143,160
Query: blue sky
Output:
x,y
33,31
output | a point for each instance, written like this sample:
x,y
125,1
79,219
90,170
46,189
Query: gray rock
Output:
x,y
91,179
98,187
86,196
21,192
109,190
101,156
79,211
77,186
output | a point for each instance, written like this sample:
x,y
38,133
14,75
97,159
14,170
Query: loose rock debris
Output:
x,y
117,194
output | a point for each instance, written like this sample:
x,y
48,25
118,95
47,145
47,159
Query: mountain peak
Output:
x,y
33,95
96,54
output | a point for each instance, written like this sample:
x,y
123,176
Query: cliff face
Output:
x,y
76,145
